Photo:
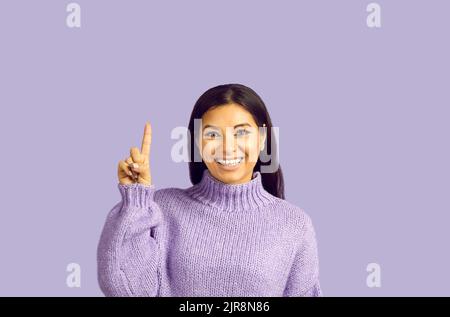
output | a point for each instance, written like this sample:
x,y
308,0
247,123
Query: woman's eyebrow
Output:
x,y
237,125
242,125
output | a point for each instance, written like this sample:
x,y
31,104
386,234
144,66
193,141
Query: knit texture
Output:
x,y
211,239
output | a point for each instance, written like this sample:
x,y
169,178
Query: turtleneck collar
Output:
x,y
231,197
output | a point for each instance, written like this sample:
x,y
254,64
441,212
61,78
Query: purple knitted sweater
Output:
x,y
211,239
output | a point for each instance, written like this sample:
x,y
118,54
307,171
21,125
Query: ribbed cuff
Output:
x,y
137,195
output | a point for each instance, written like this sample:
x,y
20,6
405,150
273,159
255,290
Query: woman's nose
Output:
x,y
229,145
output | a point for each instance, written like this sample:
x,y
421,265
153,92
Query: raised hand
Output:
x,y
136,168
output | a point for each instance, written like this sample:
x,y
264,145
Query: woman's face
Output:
x,y
230,143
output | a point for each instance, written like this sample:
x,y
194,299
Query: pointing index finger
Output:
x,y
146,140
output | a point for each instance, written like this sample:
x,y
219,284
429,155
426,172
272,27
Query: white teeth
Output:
x,y
229,162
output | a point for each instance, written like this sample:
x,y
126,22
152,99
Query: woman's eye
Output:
x,y
211,135
242,132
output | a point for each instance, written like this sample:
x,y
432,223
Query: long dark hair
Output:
x,y
248,99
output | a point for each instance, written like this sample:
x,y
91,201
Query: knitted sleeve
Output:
x,y
128,253
303,278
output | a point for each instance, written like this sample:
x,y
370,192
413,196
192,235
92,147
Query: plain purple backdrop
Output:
x,y
363,117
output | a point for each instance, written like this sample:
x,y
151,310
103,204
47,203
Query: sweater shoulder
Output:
x,y
168,194
171,197
297,215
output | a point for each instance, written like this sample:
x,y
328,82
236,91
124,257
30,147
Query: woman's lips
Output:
x,y
229,165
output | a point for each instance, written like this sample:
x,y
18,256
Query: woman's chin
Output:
x,y
230,175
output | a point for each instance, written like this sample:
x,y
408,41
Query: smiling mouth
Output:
x,y
229,162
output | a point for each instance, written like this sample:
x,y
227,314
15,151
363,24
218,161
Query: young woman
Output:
x,y
232,233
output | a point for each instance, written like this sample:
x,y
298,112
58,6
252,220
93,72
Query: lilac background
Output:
x,y
363,116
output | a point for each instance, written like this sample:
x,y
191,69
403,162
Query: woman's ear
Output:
x,y
262,144
262,137
196,142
